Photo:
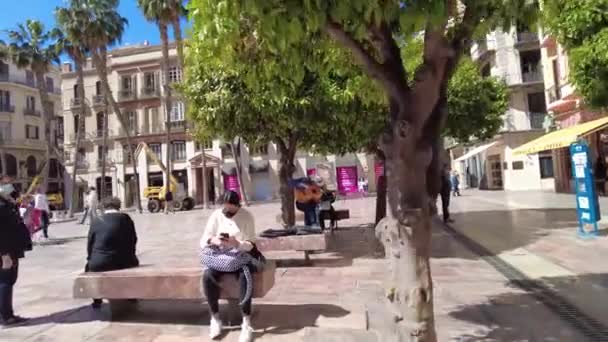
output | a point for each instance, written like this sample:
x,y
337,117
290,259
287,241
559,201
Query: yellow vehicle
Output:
x,y
156,194
55,199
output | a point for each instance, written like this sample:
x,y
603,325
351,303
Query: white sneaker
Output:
x,y
246,333
215,328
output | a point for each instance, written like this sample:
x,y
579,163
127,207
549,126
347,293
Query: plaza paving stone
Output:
x,y
332,300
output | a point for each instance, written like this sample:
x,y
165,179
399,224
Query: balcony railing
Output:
x,y
127,95
150,92
7,108
178,125
22,80
532,76
537,120
31,112
99,100
31,143
75,103
527,37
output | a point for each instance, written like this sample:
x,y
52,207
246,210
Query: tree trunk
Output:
x,y
47,113
406,231
381,189
179,41
167,104
104,156
286,170
205,184
238,170
100,60
79,130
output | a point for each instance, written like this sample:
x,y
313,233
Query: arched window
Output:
x,y
30,164
11,165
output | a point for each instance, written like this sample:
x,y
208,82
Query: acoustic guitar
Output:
x,y
311,192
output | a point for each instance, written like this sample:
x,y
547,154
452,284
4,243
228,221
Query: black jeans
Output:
x,y
445,204
212,289
84,217
8,278
45,222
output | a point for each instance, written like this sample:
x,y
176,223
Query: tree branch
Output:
x,y
376,70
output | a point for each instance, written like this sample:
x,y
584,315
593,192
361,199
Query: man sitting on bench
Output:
x,y
229,227
111,242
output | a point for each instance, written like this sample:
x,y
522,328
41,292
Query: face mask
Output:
x,y
6,190
228,213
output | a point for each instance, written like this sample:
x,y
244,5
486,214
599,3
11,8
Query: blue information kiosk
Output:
x,y
587,204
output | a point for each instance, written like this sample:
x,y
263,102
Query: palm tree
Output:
x,y
165,13
32,47
103,27
71,42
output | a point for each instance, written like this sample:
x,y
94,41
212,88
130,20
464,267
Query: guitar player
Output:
x,y
308,195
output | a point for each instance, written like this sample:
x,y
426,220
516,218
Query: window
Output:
x,y
81,156
100,153
518,165
150,81
30,103
177,112
156,150
505,166
75,91
98,88
175,74
60,126
127,83
546,166
127,154
3,71
179,150
206,144
5,101
29,78
32,132
261,149
5,131
50,84
132,121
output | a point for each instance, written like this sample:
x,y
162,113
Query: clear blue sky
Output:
x,y
16,11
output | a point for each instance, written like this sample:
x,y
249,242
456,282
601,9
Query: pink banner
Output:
x,y
311,172
231,182
347,179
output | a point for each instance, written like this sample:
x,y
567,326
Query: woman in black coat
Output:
x,y
14,241
112,242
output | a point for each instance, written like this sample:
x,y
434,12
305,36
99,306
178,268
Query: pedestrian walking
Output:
x,y
90,206
169,202
455,179
14,241
446,191
41,206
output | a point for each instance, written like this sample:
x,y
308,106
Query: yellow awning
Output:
x,y
561,138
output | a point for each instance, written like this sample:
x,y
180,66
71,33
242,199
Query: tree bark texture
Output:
x,y
205,182
179,41
100,60
79,130
286,170
381,189
47,113
104,156
237,160
167,104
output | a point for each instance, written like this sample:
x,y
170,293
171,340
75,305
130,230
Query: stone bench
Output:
x,y
299,243
152,282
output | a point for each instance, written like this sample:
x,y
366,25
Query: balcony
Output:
x,y
23,143
178,125
22,80
527,40
537,120
99,100
75,103
6,108
532,77
31,112
150,92
127,95
482,49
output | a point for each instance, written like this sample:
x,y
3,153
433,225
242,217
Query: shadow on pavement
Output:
x,y
500,231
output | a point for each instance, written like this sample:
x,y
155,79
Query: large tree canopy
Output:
x,y
581,26
371,31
